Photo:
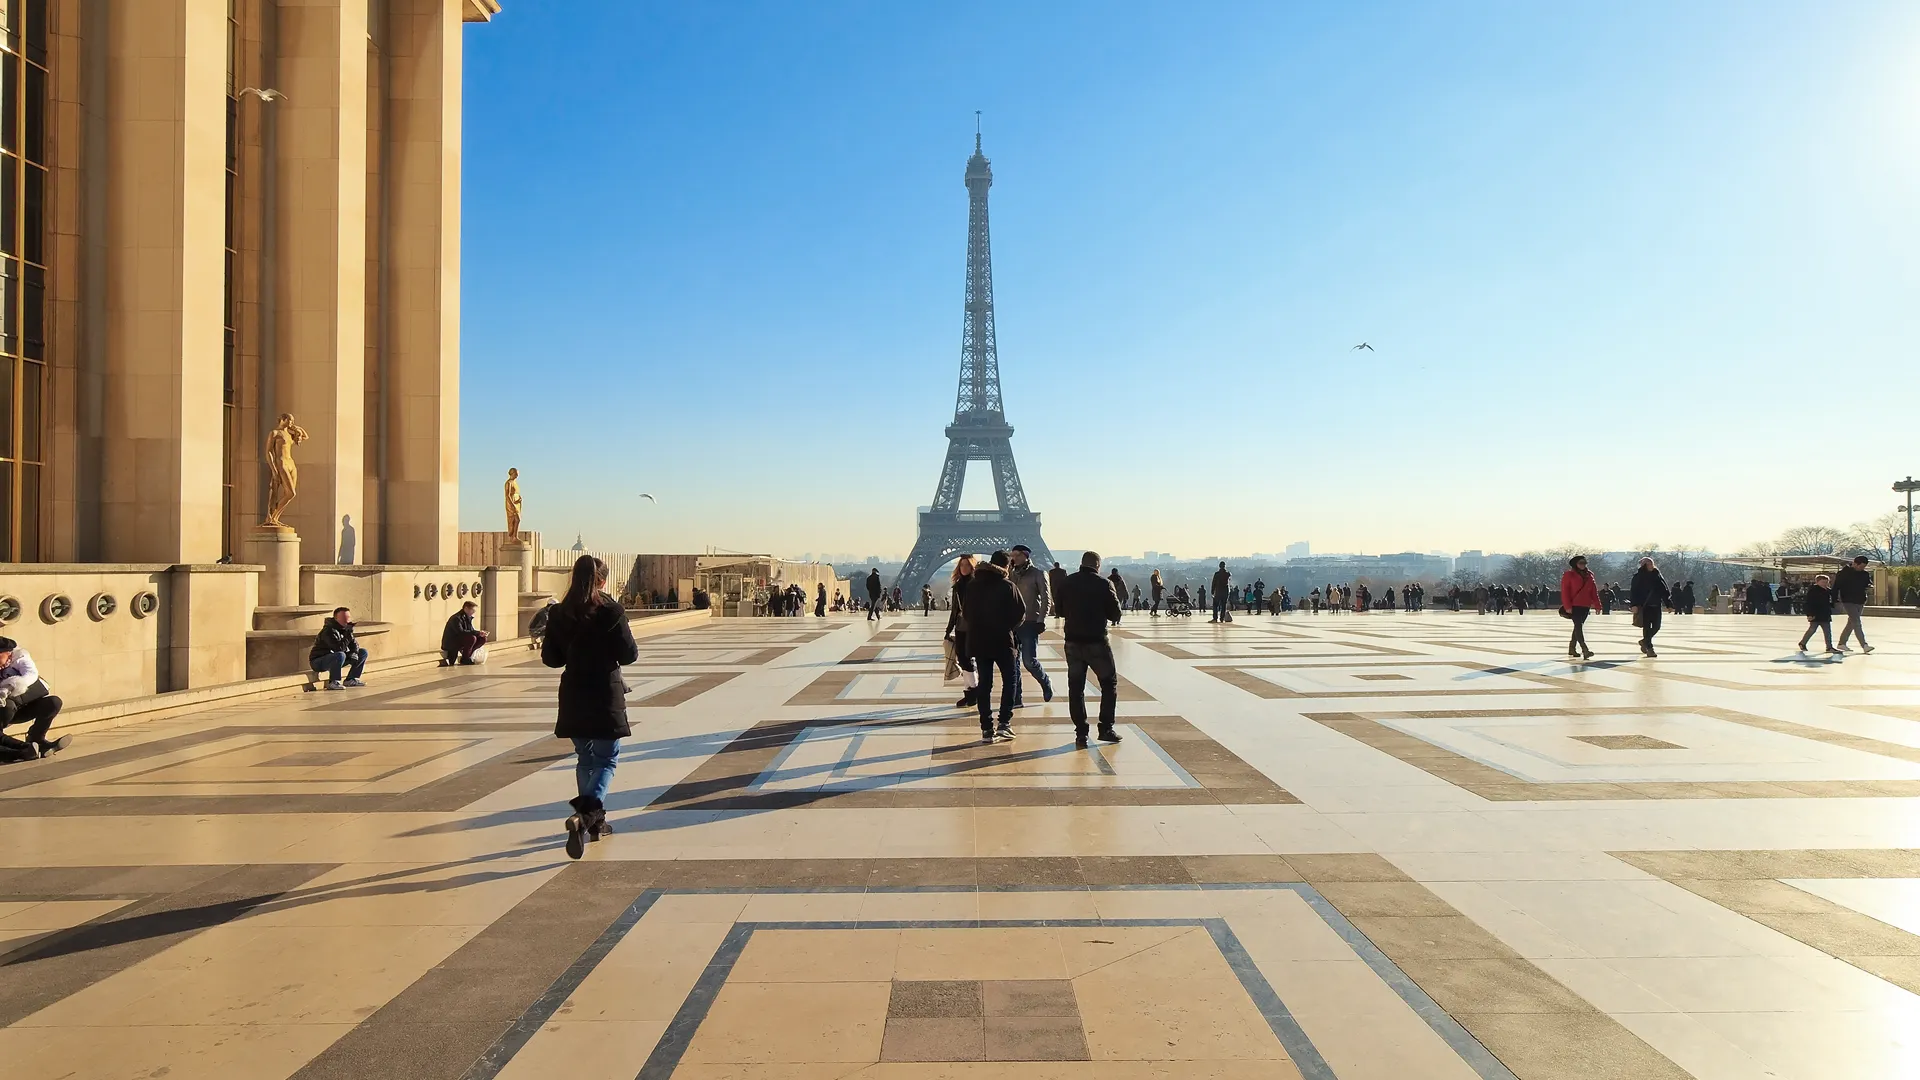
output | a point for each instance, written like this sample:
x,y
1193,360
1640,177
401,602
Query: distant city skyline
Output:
x,y
1636,271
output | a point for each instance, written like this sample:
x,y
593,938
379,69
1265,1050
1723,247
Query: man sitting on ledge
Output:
x,y
25,699
334,648
460,638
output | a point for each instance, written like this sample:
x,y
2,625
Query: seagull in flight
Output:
x,y
1364,345
265,95
648,497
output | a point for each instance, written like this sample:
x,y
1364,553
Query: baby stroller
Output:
x,y
1178,604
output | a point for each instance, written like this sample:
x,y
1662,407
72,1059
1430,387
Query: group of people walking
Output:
x,y
998,610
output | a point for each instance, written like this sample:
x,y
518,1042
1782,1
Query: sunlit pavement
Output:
x,y
1384,845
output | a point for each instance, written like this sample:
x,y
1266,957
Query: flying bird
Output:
x,y
1364,345
265,95
648,497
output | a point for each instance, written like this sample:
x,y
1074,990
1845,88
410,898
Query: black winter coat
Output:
x,y
453,637
1818,603
1089,605
592,648
1648,587
1850,585
993,610
333,638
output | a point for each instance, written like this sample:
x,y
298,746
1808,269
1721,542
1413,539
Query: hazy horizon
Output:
x,y
1629,270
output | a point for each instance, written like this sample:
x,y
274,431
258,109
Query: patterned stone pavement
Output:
x,y
1377,846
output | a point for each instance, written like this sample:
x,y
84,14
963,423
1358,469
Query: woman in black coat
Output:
x,y
589,637
957,628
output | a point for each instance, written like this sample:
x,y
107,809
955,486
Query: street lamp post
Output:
x,y
1907,487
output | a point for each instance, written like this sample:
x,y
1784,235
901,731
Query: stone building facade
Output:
x,y
218,211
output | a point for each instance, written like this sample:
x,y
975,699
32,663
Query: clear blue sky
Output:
x,y
1634,271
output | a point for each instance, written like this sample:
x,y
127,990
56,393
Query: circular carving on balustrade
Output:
x,y
447,590
476,588
56,608
416,592
101,606
10,609
433,591
143,604
463,590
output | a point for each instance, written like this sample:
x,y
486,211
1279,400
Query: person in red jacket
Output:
x,y
1579,595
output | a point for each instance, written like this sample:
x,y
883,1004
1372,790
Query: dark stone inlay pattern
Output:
x,y
66,962
722,782
445,794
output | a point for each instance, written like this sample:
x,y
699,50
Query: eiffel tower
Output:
x,y
979,431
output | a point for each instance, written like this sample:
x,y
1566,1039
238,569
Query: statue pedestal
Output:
x,y
278,549
519,553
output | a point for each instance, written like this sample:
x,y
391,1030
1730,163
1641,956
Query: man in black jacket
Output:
x,y
1850,587
993,610
1648,595
1089,604
460,637
873,594
334,648
1056,579
1221,579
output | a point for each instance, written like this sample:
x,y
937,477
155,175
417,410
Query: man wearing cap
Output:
x,y
26,700
1089,604
1031,583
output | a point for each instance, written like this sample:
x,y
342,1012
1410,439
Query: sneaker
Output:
x,y
576,837
334,684
986,735
353,682
1588,655
1046,691
1079,742
1003,733
1109,735
1866,648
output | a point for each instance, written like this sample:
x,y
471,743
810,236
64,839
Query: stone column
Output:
x,y
519,554
164,251
279,551
500,603
423,303
320,328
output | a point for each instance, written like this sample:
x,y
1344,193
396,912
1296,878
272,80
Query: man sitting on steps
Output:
x,y
335,648
459,640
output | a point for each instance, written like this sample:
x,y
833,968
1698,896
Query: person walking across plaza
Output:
x,y
1850,587
873,595
926,600
820,600
994,612
957,629
1818,606
26,699
1031,583
1056,578
1221,581
1089,605
588,637
1579,596
1647,593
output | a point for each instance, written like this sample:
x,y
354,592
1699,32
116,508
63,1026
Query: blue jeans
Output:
x,y
331,663
1027,638
593,766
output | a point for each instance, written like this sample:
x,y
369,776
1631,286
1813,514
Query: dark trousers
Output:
x,y
1649,624
464,644
873,607
1579,638
1824,625
331,663
1097,655
1009,686
1219,607
38,716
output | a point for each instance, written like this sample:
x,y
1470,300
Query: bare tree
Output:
x,y
1811,540
1883,539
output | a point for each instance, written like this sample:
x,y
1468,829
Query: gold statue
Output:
x,y
513,504
283,476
